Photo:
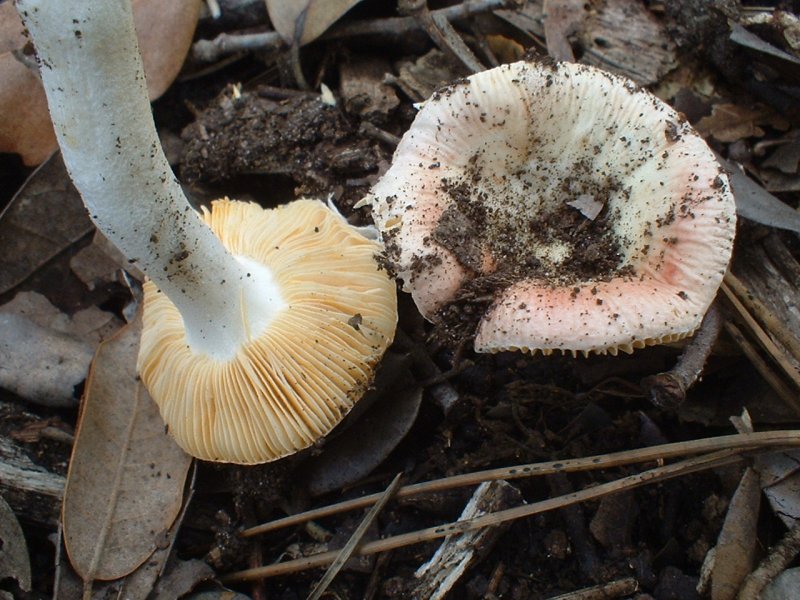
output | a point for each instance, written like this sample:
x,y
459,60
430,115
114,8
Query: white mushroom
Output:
x,y
499,180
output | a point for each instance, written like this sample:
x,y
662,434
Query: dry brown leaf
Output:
x,y
735,550
389,412
43,219
505,49
25,123
780,478
303,21
14,561
165,31
757,204
730,122
126,475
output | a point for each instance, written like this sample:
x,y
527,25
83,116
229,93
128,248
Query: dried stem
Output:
x,y
779,558
659,474
355,539
740,442
762,337
668,390
211,50
606,591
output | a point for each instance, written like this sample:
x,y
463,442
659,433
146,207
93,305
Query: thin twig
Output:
x,y
441,33
605,591
739,442
777,354
355,539
668,390
211,50
763,314
783,391
780,557
658,474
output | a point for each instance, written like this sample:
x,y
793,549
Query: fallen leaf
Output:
x,y
775,181
743,37
14,561
165,31
25,127
302,21
505,49
783,587
44,218
126,475
374,433
91,325
757,204
181,577
362,88
731,122
735,551
786,158
780,478
40,364
137,585
218,595
98,263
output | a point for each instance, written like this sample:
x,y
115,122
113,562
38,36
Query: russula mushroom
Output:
x,y
261,327
588,212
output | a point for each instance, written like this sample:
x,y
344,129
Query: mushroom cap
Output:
x,y
604,214
289,387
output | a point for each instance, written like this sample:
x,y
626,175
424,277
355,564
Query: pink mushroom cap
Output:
x,y
491,180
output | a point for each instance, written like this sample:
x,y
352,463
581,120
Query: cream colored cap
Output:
x,y
502,173
289,387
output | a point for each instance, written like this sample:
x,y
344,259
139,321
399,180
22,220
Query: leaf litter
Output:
x,y
126,477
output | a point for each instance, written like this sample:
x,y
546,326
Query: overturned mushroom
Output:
x,y
257,340
587,211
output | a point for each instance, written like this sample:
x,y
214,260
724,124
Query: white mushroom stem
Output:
x,y
95,84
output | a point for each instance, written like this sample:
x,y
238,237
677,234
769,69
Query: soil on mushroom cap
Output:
x,y
470,227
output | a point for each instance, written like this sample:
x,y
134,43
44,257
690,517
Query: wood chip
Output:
x,y
458,553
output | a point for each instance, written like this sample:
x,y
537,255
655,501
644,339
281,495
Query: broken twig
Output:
x,y
668,390
741,442
223,44
355,539
693,465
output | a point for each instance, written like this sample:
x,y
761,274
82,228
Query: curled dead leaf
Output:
x,y
165,31
302,21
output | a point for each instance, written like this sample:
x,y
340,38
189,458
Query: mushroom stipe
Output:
x,y
556,207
